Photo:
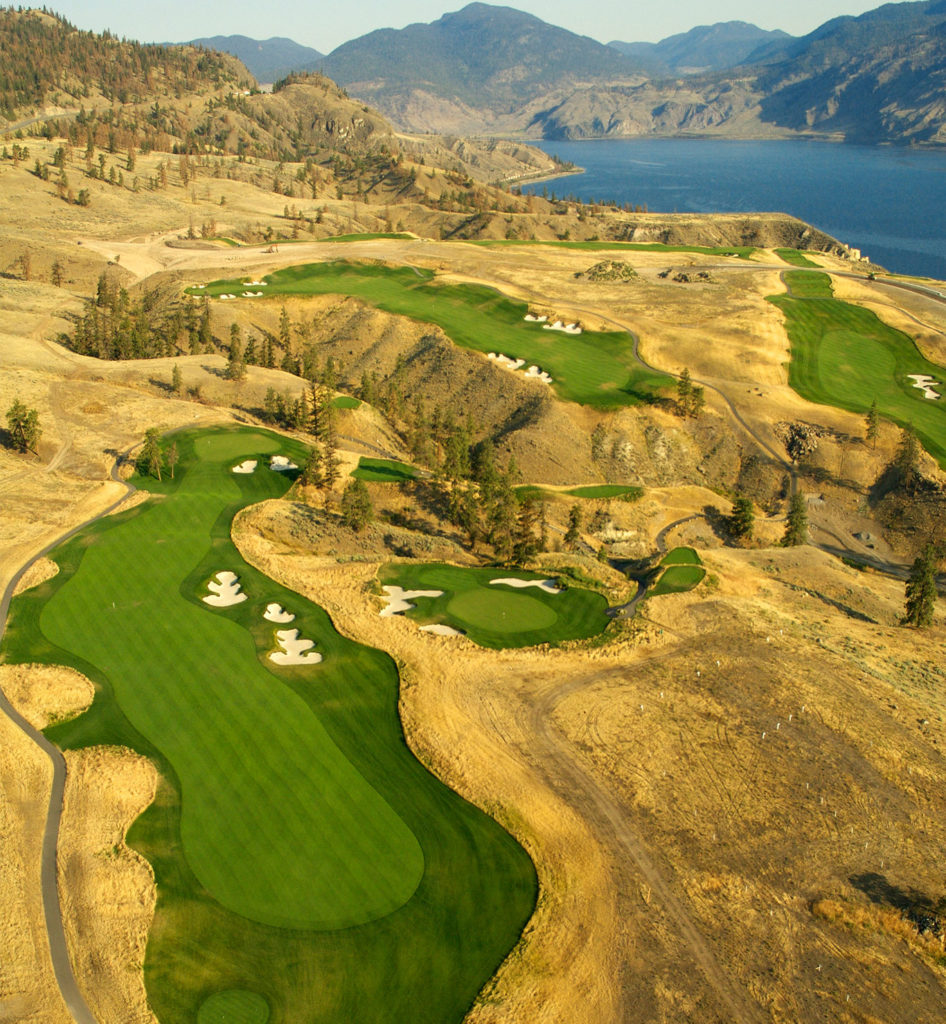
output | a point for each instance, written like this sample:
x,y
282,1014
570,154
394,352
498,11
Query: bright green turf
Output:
x,y
596,368
384,471
678,579
499,616
234,1006
625,491
346,402
681,556
288,796
368,236
744,252
796,258
845,356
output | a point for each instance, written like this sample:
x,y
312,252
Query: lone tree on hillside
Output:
x,y
872,421
921,590
151,458
741,521
907,460
690,398
23,427
357,510
177,381
236,366
796,526
574,527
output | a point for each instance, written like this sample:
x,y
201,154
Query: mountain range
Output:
x,y
875,78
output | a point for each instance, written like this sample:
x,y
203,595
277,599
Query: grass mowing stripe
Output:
x,y
846,356
595,368
424,961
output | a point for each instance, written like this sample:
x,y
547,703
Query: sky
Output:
x,y
326,25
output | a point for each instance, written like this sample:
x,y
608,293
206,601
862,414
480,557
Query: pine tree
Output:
x,y
921,590
872,422
150,458
741,521
574,527
177,381
23,427
357,510
684,390
796,526
236,367
312,470
907,460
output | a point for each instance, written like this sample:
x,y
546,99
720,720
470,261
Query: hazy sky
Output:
x,y
326,25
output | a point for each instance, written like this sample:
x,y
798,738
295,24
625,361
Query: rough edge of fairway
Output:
x,y
580,614
352,974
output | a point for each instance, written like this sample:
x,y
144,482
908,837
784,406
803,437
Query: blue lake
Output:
x,y
888,202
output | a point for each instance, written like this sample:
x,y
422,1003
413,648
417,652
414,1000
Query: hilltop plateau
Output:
x,y
723,801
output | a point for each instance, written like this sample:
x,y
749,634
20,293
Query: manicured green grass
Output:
x,y
596,368
625,491
235,1006
802,284
678,579
681,556
846,356
498,616
744,252
301,852
796,258
383,471
368,236
346,402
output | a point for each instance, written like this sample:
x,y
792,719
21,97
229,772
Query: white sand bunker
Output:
x,y
533,319
561,326
294,649
255,284
534,373
226,295
251,295
399,600
439,630
547,585
925,383
281,464
505,361
247,466
226,591
276,613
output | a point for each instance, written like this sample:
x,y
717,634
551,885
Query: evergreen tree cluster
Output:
x,y
43,55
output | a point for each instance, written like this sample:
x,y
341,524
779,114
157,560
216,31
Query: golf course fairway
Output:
x,y
309,869
846,356
596,368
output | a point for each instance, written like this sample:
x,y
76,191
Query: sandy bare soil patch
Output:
x,y
108,889
41,570
28,990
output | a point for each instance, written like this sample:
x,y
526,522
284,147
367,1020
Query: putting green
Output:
x,y
236,1006
496,615
596,368
500,611
301,852
681,556
845,356
678,579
